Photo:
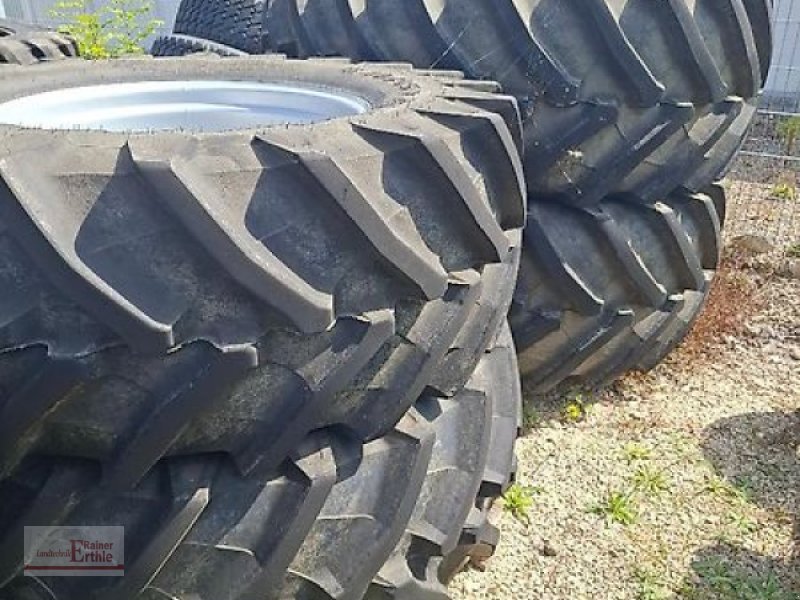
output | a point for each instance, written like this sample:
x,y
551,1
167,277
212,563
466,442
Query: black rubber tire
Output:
x,y
641,101
631,96
180,45
144,317
22,44
234,23
197,529
610,289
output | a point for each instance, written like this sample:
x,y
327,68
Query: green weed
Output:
x,y
650,481
616,507
789,130
650,586
518,500
724,582
783,191
742,523
634,451
740,491
577,409
117,28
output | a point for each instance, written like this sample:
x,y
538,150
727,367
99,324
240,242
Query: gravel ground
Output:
x,y
700,455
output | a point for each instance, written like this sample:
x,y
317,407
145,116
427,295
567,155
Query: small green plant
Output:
x,y
739,492
793,251
650,481
650,586
784,191
743,487
518,500
616,507
727,583
634,451
743,524
716,487
789,130
118,28
577,409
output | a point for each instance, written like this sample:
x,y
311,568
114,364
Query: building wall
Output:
x,y
783,86
37,11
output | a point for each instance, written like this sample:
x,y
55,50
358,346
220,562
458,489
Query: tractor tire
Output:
x,y
180,45
342,519
22,44
176,292
626,96
606,290
642,102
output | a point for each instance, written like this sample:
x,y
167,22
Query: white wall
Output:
x,y
784,78
37,11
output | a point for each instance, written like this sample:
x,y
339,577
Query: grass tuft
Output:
x,y
616,507
649,585
634,451
718,580
577,409
783,191
518,500
650,481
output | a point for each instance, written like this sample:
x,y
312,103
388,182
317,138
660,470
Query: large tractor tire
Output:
x,y
22,44
611,289
244,292
619,96
625,102
341,519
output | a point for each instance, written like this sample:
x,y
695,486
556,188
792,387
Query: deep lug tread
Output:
x,y
20,412
503,179
552,145
334,30
564,277
145,569
648,89
231,243
23,44
467,456
446,163
705,52
669,120
413,260
179,45
58,259
293,534
652,292
635,329
692,268
138,246
560,367
717,88
166,423
62,490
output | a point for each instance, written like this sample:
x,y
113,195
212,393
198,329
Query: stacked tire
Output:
x,y
632,110
261,308
22,44
264,350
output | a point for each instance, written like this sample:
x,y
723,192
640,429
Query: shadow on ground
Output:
x,y
757,453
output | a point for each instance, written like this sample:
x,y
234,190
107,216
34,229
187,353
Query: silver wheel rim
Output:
x,y
199,106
